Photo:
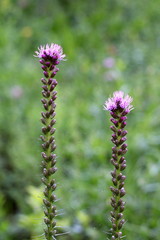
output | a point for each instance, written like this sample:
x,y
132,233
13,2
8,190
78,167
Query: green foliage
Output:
x,y
89,31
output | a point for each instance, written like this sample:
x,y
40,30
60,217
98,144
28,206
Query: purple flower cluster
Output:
x,y
50,52
118,106
119,102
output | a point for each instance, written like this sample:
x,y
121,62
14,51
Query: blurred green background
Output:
x,y
110,45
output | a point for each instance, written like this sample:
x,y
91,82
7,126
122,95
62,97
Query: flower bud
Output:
x,y
47,221
47,203
115,122
114,190
52,170
113,128
46,74
122,167
52,131
114,181
123,124
113,173
114,115
43,80
122,192
119,215
121,224
124,146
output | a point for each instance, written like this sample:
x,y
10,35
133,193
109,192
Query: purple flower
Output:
x,y
119,102
109,62
50,56
119,106
53,51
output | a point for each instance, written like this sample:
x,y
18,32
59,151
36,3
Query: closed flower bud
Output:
x,y
52,131
50,81
114,156
123,124
121,185
122,167
54,187
47,203
122,119
119,132
53,197
47,221
42,61
44,180
114,181
121,208
121,224
124,133
45,172
43,80
113,173
122,192
44,155
53,121
52,87
112,214
114,149
113,128
44,130
119,176
121,159
120,202
123,178
53,224
52,156
43,121
122,140
124,146
53,208
119,152
45,106
114,190
53,147
119,215
114,115
114,136
46,74
52,170
115,122
50,102
112,219
124,151
51,139
45,88
114,226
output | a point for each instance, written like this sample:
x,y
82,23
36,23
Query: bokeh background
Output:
x,y
110,45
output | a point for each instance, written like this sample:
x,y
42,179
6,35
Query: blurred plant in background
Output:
x,y
90,31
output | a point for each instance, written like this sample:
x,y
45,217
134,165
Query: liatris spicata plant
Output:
x,y
118,106
50,56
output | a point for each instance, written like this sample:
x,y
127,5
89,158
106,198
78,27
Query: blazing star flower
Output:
x,y
52,51
119,106
50,56
119,102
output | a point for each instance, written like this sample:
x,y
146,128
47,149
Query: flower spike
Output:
x,y
50,56
119,106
